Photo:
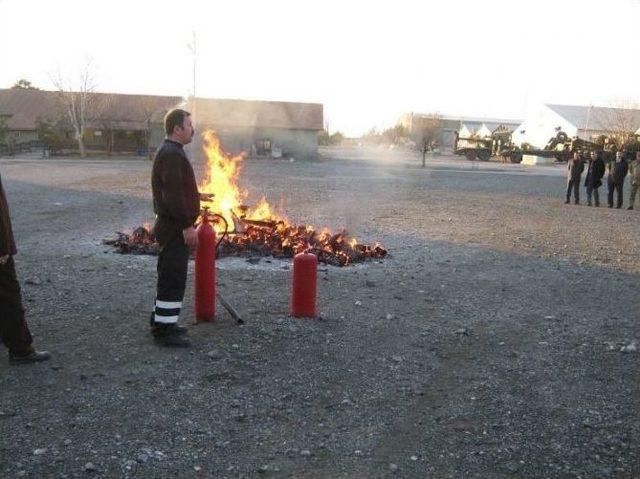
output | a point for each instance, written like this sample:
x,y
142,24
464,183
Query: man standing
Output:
x,y
14,331
575,167
593,180
176,202
615,181
634,174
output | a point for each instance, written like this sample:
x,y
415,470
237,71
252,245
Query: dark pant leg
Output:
x,y
173,262
619,188
596,196
14,331
610,187
634,191
569,186
576,190
589,194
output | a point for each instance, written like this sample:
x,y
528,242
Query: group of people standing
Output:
x,y
595,170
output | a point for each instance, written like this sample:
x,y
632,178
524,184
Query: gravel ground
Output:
x,y
496,341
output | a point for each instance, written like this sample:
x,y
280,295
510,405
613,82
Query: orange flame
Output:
x,y
280,235
221,178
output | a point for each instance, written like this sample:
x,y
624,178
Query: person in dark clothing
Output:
x,y
14,331
634,175
176,202
615,181
593,180
575,167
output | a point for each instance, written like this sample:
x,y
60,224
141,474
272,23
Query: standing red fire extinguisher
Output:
x,y
303,291
205,269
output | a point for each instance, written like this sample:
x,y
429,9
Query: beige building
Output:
x,y
115,122
133,123
261,128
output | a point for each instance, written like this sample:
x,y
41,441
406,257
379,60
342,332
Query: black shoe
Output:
x,y
172,341
29,358
567,202
630,208
610,206
170,335
618,207
159,329
174,327
577,202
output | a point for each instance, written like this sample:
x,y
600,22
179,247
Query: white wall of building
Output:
x,y
541,126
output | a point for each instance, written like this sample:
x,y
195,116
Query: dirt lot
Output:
x,y
488,344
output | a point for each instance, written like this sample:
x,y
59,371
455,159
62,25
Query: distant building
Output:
x,y
118,122
585,122
463,125
125,122
261,128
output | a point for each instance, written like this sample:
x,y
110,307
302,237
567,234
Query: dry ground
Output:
x,y
487,345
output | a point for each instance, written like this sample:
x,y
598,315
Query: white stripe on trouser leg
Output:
x,y
168,304
165,319
167,312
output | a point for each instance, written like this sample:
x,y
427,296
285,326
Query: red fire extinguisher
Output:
x,y
205,268
303,294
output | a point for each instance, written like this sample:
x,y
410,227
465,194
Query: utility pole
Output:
x,y
192,47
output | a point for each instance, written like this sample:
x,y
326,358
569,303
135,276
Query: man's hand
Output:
x,y
190,237
5,258
206,196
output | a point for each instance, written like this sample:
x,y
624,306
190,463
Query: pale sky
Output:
x,y
366,61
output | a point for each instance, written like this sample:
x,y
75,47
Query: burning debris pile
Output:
x,y
257,231
278,239
141,241
270,238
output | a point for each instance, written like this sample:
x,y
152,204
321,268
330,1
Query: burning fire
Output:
x,y
221,179
258,230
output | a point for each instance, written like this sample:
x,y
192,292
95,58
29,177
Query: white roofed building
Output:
x,y
585,122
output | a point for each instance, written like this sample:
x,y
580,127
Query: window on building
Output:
x,y
263,147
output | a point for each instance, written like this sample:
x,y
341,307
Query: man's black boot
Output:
x,y
29,357
176,327
170,335
630,207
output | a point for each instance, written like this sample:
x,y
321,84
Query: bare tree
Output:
x,y
103,115
619,122
4,128
79,101
149,108
428,134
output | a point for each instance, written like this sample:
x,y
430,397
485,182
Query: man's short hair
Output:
x,y
174,118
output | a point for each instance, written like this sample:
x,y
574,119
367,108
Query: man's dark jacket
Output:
x,y
574,169
618,172
595,172
7,243
176,201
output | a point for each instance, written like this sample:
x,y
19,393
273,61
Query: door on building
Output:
x,y
263,147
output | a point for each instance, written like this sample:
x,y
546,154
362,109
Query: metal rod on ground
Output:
x,y
229,308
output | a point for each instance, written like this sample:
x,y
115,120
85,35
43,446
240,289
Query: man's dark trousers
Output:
x,y
173,262
618,188
575,184
14,331
596,195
